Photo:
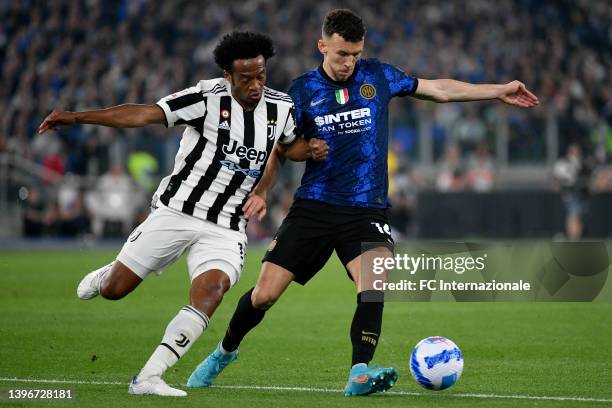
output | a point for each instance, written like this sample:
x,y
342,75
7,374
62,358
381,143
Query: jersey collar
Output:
x,y
338,83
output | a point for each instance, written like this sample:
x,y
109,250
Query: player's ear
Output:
x,y
228,76
322,46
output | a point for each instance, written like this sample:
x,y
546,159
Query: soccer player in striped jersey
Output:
x,y
232,124
345,102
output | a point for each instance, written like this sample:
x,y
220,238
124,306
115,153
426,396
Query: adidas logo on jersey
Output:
x,y
224,125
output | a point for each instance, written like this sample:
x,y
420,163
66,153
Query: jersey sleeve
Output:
x,y
289,132
400,83
297,111
184,107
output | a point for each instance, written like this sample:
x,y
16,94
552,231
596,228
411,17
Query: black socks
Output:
x,y
245,318
366,326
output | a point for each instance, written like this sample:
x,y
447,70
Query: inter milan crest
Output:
x,y
367,91
271,129
342,96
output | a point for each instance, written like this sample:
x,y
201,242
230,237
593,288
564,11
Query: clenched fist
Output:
x,y
318,149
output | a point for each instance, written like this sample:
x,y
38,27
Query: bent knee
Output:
x,y
207,291
261,299
210,285
215,288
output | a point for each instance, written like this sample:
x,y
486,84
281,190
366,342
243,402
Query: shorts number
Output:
x,y
241,249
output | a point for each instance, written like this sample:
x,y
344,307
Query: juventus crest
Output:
x,y
271,129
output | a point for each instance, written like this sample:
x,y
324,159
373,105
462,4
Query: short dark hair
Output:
x,y
242,45
346,23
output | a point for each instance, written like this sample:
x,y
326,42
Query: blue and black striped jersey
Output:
x,y
352,117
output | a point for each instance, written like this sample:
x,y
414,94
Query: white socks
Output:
x,y
180,334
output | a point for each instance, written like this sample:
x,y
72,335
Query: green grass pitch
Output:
x,y
512,350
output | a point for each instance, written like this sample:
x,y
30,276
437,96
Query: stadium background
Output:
x,y
455,167
477,170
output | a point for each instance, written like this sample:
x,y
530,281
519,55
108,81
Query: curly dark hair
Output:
x,y
242,45
346,23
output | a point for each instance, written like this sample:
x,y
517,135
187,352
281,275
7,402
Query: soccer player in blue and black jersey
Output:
x,y
342,201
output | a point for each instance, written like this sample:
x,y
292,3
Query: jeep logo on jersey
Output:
x,y
342,116
242,152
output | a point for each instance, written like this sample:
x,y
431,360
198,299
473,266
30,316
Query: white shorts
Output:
x,y
166,234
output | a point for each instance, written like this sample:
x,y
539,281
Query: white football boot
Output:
x,y
90,285
154,386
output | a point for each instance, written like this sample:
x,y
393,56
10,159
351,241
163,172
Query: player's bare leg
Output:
x,y
272,282
207,291
250,311
112,281
366,328
119,282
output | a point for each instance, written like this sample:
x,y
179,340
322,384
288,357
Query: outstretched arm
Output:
x,y
299,150
121,116
450,90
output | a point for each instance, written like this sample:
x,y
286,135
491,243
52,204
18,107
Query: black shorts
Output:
x,y
313,229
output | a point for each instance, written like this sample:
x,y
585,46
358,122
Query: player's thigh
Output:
x,y
362,239
158,241
217,248
304,242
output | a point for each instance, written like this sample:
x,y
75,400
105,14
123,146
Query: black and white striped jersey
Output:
x,y
223,150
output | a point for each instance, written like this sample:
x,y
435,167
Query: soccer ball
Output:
x,y
436,363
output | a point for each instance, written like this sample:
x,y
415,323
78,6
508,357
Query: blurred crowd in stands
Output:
x,y
86,54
